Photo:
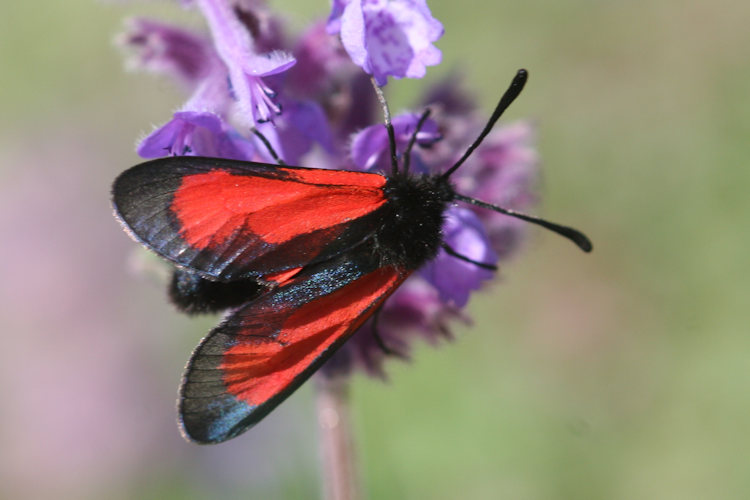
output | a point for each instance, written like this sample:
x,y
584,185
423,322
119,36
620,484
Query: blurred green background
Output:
x,y
619,375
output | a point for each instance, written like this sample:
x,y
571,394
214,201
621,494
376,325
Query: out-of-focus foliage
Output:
x,y
618,375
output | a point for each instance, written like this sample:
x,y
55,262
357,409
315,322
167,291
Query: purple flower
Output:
x,y
414,310
196,134
453,278
199,128
162,48
370,149
333,24
325,74
246,68
302,125
321,63
265,28
388,37
503,170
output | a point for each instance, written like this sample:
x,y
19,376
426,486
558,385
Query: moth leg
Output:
x,y
379,340
453,253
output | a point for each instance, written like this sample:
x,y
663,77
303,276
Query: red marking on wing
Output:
x,y
336,177
256,371
213,206
282,276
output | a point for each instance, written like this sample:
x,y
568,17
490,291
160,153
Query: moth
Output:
x,y
301,257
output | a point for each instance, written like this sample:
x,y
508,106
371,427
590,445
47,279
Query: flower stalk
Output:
x,y
341,480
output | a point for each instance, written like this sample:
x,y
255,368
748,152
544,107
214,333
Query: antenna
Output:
x,y
573,235
516,86
407,153
268,146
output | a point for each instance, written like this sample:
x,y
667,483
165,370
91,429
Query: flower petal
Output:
x,y
391,38
195,133
236,48
414,310
454,278
302,125
370,147
164,48
333,24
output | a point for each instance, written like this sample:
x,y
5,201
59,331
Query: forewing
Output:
x,y
262,352
233,220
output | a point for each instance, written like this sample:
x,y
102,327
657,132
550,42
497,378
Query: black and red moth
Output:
x,y
301,257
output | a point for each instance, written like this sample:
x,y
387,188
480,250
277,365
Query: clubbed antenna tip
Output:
x,y
515,88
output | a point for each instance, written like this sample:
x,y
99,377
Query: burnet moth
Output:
x,y
301,257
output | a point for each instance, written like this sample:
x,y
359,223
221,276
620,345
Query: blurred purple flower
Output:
x,y
462,230
388,37
302,125
503,170
162,48
199,127
448,95
414,310
325,73
333,24
320,59
265,28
